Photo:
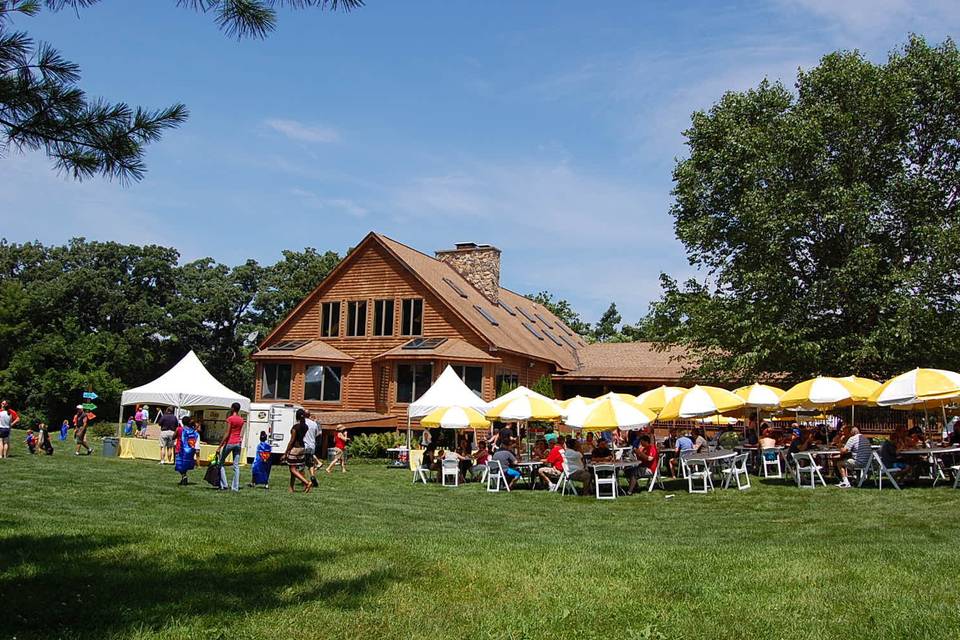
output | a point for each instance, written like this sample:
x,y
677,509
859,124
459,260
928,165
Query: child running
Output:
x,y
186,449
262,463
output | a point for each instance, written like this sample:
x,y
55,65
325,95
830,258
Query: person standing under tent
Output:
x,y
168,435
80,431
340,439
294,454
231,443
310,460
187,449
139,418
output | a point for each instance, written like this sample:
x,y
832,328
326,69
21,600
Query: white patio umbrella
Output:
x,y
611,412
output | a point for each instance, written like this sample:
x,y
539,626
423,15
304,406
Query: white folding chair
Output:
x,y
420,472
683,462
699,470
804,463
496,477
605,476
565,481
771,463
882,470
736,469
955,469
656,478
450,469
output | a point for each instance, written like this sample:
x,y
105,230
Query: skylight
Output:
x,y
569,344
553,338
526,315
545,322
486,314
532,330
424,343
287,345
455,287
507,308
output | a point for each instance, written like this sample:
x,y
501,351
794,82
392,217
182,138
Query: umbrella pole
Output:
x,y
943,411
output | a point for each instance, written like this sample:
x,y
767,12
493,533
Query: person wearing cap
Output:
x,y
340,439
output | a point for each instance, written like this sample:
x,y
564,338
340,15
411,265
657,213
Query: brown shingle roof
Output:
x,y
312,350
452,349
628,361
509,333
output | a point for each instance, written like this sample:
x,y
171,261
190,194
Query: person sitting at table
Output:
x,y
699,442
684,443
550,436
586,448
601,452
842,436
860,453
795,439
575,465
539,449
917,439
649,457
552,466
888,455
617,438
480,460
508,462
954,438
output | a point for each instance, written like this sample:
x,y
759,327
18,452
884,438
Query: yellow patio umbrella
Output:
x,y
575,404
917,386
700,402
532,406
760,396
869,384
656,399
824,392
611,412
455,418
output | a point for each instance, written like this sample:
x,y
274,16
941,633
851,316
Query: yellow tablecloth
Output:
x,y
132,448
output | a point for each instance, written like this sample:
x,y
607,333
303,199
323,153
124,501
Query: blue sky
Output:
x,y
548,129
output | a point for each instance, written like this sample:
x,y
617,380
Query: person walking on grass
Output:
x,y
232,440
7,422
310,460
187,449
168,435
340,440
262,463
80,431
294,454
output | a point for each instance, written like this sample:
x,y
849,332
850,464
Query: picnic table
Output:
x,y
529,467
933,459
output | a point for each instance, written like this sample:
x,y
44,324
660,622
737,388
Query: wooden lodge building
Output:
x,y
383,325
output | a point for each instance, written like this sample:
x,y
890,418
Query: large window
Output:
x,y
413,380
322,383
383,317
330,319
357,318
471,376
411,322
275,382
506,380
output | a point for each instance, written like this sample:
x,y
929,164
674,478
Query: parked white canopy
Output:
x,y
188,384
448,391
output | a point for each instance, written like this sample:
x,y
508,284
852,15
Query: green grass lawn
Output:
x,y
95,548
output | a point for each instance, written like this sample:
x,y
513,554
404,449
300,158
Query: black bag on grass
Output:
x,y
213,473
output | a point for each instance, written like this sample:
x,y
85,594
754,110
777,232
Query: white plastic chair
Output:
x,y
804,463
496,477
605,475
881,470
420,472
955,469
656,478
450,469
683,462
699,470
566,481
767,464
737,469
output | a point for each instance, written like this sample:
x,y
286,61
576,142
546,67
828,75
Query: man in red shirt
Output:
x,y
649,458
553,465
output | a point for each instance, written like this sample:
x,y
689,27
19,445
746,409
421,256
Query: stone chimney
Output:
x,y
479,264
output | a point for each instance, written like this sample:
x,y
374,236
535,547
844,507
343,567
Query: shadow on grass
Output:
x,y
73,586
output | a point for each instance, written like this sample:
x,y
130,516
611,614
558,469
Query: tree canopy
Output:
x,y
824,220
112,316
43,108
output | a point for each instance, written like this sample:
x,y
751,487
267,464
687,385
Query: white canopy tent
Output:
x,y
188,384
448,391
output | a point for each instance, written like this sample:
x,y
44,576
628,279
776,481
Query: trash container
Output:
x,y
111,447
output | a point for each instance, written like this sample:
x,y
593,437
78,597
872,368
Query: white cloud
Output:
x,y
342,205
303,132
880,17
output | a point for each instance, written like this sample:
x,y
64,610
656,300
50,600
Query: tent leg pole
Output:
x,y
120,420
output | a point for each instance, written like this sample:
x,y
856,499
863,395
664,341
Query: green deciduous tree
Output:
x,y
826,221
607,328
42,106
